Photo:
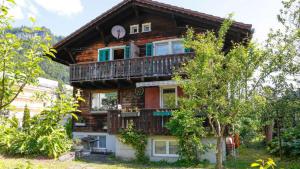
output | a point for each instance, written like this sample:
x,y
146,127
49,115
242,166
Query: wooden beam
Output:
x,y
106,42
70,54
174,19
136,11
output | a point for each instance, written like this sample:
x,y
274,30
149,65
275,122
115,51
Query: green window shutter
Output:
x,y
187,50
103,55
100,55
107,54
149,49
127,52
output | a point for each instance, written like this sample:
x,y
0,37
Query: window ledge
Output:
x,y
165,155
99,112
79,124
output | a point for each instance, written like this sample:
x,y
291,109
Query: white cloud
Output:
x,y
29,8
61,7
16,12
22,9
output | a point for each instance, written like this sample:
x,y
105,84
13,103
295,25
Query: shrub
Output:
x,y
264,164
290,143
45,136
189,131
68,127
137,140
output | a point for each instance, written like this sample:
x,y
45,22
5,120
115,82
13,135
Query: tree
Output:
x,y
20,57
46,136
26,118
278,76
217,81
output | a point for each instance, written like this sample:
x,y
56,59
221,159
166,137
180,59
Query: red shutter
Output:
x,y
180,92
152,98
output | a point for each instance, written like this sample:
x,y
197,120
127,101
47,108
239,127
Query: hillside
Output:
x,y
53,70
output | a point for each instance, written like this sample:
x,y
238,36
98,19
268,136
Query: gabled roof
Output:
x,y
246,28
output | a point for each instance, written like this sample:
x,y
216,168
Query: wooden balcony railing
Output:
x,y
128,68
146,122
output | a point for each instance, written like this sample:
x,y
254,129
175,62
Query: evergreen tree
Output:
x,y
26,118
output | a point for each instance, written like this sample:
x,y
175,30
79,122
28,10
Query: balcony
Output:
x,y
143,67
149,121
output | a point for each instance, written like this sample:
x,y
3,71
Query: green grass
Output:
x,y
245,157
14,163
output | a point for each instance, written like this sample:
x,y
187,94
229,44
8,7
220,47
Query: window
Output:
x,y
168,47
134,29
146,27
104,101
162,48
177,47
118,53
168,98
114,53
98,142
165,148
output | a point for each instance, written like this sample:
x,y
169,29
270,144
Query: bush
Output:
x,y
290,143
45,136
264,164
137,140
69,128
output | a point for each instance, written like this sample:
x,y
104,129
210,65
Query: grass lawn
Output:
x,y
246,157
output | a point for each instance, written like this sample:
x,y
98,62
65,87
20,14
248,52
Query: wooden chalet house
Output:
x,y
123,62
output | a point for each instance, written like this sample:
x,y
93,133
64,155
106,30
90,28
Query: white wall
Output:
x,y
126,152
110,139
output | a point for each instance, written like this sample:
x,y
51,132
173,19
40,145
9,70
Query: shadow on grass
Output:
x,y
135,164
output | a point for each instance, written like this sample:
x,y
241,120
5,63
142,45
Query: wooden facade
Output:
x,y
80,51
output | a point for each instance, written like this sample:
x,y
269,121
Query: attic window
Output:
x,y
134,29
146,27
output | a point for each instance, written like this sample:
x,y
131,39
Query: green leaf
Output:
x,y
32,19
255,165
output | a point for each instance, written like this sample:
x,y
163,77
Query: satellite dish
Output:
x,y
118,31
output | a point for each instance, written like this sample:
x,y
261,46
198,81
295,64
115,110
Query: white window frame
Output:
x,y
116,47
98,142
167,148
111,56
132,27
161,88
146,24
169,41
91,100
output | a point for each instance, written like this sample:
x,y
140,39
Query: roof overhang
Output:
x,y
64,45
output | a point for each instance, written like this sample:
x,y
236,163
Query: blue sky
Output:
x,y
65,16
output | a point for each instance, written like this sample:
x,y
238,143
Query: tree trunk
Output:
x,y
219,154
269,132
279,139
